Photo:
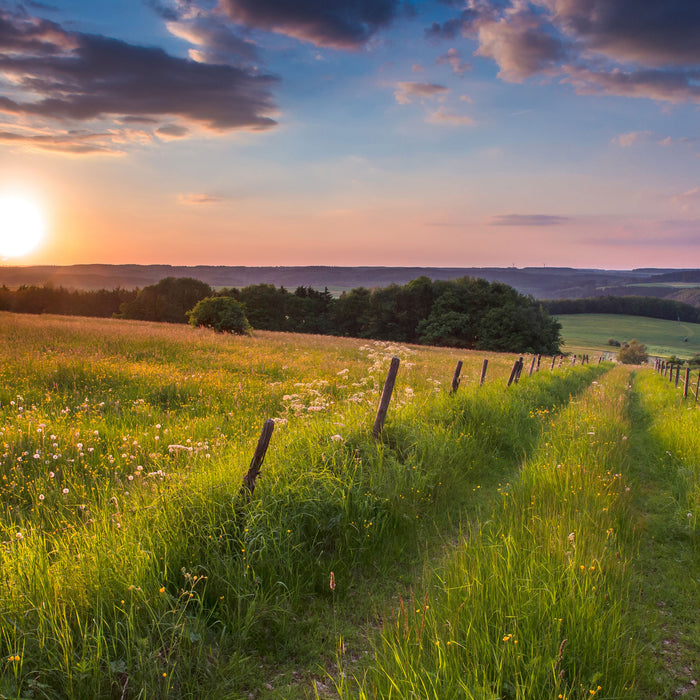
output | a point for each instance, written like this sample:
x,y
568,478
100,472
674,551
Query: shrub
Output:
x,y
223,314
633,353
614,343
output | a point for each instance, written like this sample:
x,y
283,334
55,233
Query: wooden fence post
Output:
x,y
455,378
687,379
678,374
539,359
386,397
697,388
554,359
532,365
670,373
512,373
254,470
519,371
483,371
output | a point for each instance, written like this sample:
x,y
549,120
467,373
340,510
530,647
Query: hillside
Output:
x,y
540,282
591,332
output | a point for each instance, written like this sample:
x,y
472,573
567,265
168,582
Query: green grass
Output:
x,y
495,543
131,563
590,333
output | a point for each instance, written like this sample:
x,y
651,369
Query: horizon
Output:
x,y
438,134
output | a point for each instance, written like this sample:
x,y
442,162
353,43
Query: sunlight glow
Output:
x,y
21,226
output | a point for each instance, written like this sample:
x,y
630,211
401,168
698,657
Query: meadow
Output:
x,y
491,543
590,333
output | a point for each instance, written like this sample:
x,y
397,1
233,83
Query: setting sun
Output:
x,y
21,226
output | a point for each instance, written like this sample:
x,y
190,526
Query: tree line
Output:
x,y
48,299
466,312
652,307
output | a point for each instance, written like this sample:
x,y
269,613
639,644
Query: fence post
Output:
x,y
520,369
512,373
455,378
532,365
697,388
254,470
386,397
687,379
483,371
554,359
678,374
670,373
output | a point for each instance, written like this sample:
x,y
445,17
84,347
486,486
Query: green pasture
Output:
x,y
532,540
591,332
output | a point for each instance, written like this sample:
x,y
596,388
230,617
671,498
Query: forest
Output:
x,y
467,312
651,307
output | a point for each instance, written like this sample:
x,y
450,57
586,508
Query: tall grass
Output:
x,y
132,565
532,603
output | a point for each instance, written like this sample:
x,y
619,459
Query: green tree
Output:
x,y
633,353
169,300
223,314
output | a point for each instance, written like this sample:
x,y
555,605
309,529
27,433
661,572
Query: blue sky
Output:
x,y
355,132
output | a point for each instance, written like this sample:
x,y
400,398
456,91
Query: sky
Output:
x,y
355,132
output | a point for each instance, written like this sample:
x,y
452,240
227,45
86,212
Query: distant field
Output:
x,y
590,333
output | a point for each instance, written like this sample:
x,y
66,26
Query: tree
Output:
x,y
223,314
169,300
633,353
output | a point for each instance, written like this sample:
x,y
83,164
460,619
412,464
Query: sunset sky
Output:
x,y
355,132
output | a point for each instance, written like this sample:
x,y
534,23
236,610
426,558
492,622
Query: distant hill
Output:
x,y
540,282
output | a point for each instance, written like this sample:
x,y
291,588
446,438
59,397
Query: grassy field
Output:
x,y
589,333
493,543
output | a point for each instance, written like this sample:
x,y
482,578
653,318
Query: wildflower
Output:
x,y
65,491
19,535
336,438
41,496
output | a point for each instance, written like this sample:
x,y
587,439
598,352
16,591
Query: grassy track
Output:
x,y
590,333
584,582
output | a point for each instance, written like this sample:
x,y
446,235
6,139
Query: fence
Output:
x,y
673,371
264,441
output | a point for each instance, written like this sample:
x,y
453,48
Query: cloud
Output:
x,y
664,85
78,143
631,137
453,58
54,75
528,220
340,24
195,198
519,45
645,32
174,131
215,40
408,91
629,48
634,137
687,200
443,118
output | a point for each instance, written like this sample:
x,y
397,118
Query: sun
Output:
x,y
21,226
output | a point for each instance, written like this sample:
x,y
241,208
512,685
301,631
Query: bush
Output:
x,y
223,314
614,343
633,353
